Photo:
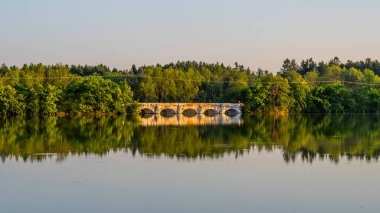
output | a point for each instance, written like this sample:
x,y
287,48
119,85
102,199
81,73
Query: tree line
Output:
x,y
38,89
315,87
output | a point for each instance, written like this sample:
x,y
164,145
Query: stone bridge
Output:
x,y
197,120
191,108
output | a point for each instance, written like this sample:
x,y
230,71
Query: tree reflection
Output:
x,y
306,137
312,136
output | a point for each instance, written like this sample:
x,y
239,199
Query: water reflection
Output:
x,y
310,137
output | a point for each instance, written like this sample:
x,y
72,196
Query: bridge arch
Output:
x,y
231,112
211,112
145,111
168,112
190,112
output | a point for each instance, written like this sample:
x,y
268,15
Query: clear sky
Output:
x,y
119,33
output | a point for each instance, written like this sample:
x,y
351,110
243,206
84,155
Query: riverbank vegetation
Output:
x,y
37,89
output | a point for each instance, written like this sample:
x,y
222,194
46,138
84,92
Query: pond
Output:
x,y
295,163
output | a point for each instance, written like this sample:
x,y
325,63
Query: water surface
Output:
x,y
311,163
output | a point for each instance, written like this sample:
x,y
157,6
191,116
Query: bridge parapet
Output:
x,y
198,108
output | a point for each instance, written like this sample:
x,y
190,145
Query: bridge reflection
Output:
x,y
183,120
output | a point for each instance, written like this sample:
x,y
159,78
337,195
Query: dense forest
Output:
x,y
323,87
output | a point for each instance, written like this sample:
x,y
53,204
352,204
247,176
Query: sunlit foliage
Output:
x,y
331,87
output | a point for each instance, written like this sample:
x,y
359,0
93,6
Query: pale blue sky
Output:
x,y
124,32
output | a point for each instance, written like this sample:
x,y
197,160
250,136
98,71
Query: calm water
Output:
x,y
309,163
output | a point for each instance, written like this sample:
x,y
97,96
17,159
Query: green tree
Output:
x,y
255,98
299,89
49,97
369,77
312,78
307,66
129,104
11,103
93,95
279,95
287,66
